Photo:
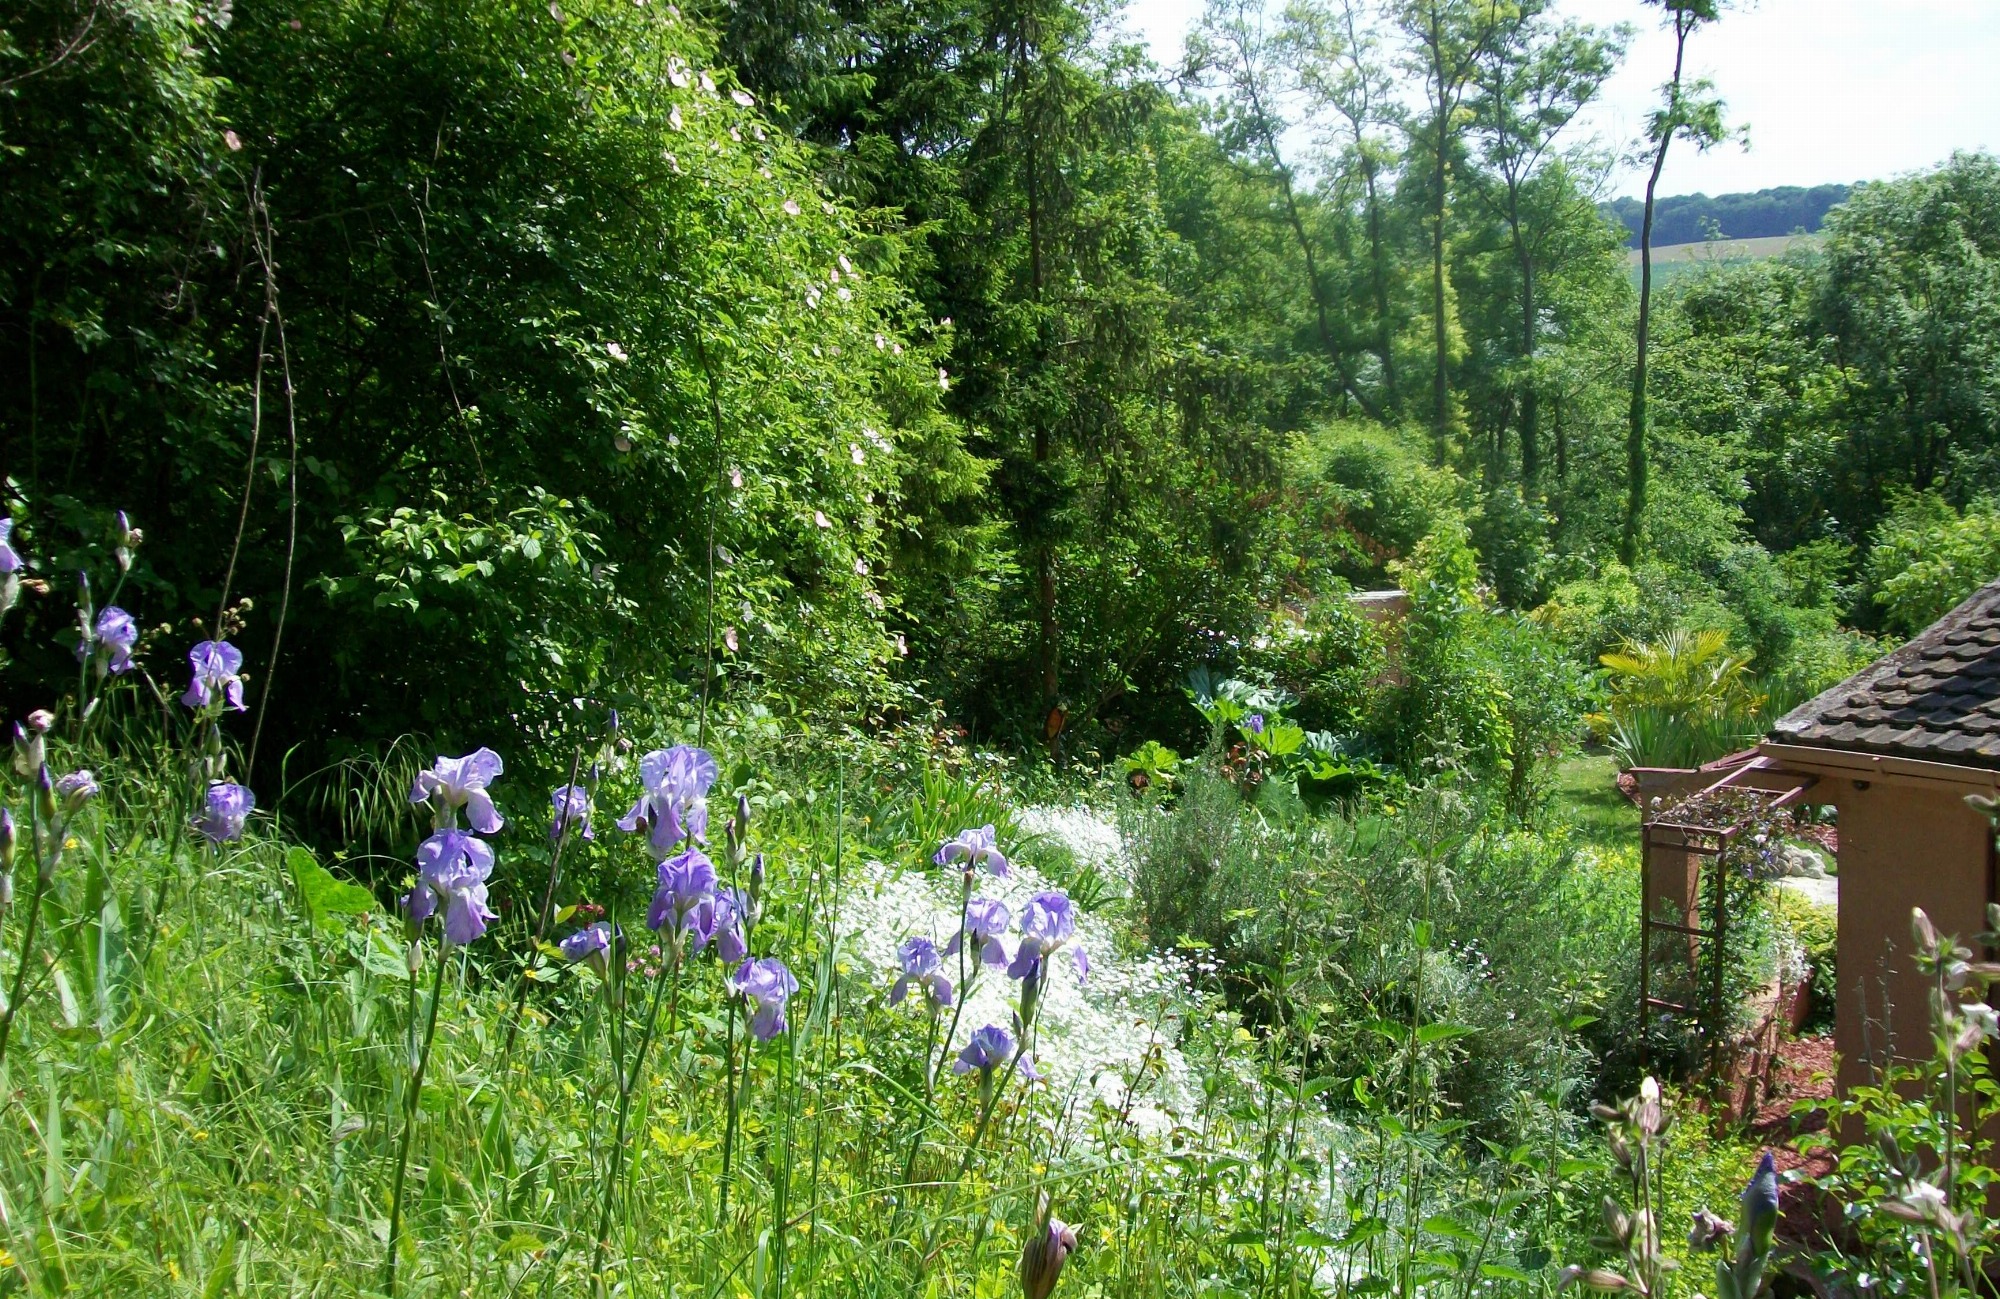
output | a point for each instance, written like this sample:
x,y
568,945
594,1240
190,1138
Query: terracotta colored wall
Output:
x,y
1901,846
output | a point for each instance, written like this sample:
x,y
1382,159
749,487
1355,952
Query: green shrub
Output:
x,y
1815,931
1927,557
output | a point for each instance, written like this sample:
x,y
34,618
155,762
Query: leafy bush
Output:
x,y
1493,691
1927,557
533,355
1680,701
1815,930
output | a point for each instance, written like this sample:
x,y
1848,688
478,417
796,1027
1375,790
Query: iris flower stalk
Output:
x,y
685,880
764,986
452,870
567,819
419,1063
981,922
46,835
105,637
628,1081
738,834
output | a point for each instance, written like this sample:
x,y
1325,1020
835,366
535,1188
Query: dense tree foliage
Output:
x,y
851,356
1690,218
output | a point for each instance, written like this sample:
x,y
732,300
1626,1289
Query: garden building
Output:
x,y
1895,750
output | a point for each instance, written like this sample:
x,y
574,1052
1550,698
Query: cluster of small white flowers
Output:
x,y
1100,1034
1091,836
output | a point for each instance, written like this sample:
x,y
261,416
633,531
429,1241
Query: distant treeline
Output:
x,y
1687,218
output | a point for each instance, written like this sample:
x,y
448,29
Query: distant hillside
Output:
x,y
1691,218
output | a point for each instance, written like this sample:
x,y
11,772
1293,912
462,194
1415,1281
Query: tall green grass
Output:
x,y
208,1067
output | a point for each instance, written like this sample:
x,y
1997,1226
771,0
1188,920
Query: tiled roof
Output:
x,y
1937,698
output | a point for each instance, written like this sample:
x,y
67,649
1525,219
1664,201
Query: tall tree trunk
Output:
x,y
1440,379
1045,565
1635,431
1321,312
1531,450
1385,349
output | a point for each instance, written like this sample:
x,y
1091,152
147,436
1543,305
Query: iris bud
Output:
x,y
7,839
128,539
30,750
1047,1248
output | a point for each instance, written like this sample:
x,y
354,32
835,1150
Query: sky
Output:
x,y
1830,90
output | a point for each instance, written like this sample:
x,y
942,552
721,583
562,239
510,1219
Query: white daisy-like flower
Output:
x,y
819,517
742,97
617,353
791,207
674,117
944,380
856,454
846,265
677,72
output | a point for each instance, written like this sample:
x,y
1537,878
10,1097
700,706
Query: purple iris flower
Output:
x,y
77,788
461,782
767,985
921,967
228,806
590,946
721,920
117,632
9,561
452,868
572,804
675,782
985,920
1254,723
1047,923
686,894
216,665
974,848
988,1049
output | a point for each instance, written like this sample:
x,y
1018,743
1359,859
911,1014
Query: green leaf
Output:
x,y
1452,1229
1365,1230
1441,1032
323,896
